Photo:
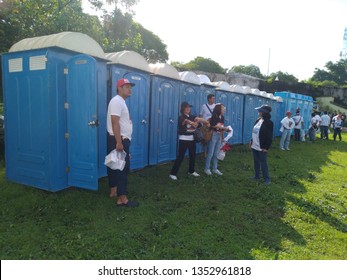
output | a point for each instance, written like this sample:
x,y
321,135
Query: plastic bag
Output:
x,y
115,160
221,155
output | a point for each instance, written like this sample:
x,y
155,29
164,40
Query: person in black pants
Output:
x,y
187,123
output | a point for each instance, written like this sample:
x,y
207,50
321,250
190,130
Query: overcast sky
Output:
x,y
294,36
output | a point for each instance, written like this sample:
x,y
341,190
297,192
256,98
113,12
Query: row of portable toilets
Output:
x,y
56,90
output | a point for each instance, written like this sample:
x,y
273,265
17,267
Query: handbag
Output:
x,y
282,128
198,135
207,134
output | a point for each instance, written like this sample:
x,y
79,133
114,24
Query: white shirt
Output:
x,y
255,135
319,119
205,112
325,120
118,107
299,120
288,123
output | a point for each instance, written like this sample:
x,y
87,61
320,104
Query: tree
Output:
x,y
283,77
336,72
200,64
25,19
250,70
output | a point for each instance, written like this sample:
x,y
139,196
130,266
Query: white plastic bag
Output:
x,y
221,155
115,160
282,128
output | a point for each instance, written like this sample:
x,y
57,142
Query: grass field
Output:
x,y
301,215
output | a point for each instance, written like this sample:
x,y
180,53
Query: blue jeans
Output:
x,y
285,139
324,132
312,134
213,148
260,161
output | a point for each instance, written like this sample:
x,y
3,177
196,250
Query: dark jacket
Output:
x,y
185,129
265,133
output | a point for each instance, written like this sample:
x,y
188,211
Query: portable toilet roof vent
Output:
x,y
190,77
236,88
164,69
222,85
129,58
255,91
74,41
204,79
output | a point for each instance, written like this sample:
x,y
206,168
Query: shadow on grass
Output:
x,y
208,217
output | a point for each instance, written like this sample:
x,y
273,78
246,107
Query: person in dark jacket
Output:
x,y
261,141
187,123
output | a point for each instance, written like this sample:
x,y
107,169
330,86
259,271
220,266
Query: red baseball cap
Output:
x,y
123,82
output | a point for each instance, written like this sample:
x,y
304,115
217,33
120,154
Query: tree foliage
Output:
x,y
283,77
116,32
200,64
334,72
250,70
25,19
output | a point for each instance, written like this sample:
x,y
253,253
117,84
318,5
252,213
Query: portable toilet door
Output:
x,y
36,109
86,118
131,65
165,83
190,91
252,101
206,88
234,109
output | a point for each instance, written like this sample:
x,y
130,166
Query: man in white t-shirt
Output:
x,y
207,108
324,126
120,128
206,112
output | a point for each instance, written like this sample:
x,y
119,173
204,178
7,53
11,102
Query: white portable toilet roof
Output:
x,y
164,69
263,93
255,91
73,41
222,85
190,77
246,89
129,58
270,95
204,79
236,88
278,98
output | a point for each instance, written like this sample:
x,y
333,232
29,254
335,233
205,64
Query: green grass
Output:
x,y
301,215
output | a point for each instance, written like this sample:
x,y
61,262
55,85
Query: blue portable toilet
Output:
x,y
254,98
190,91
292,101
206,88
55,107
277,115
234,103
165,87
134,67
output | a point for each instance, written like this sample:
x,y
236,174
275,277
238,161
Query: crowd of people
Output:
x,y
319,122
119,128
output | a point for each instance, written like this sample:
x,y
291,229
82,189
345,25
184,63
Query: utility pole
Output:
x,y
268,62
